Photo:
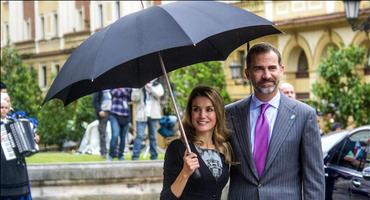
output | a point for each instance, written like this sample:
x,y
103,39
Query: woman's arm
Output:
x,y
175,175
190,165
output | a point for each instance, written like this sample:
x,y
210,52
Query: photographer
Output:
x,y
148,112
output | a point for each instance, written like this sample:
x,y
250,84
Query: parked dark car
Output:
x,y
347,166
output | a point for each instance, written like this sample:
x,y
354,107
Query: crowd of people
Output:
x,y
267,144
113,106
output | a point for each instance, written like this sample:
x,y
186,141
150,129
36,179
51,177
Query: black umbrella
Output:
x,y
144,45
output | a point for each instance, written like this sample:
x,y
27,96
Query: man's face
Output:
x,y
288,91
265,74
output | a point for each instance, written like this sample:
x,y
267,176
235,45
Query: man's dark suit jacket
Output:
x,y
206,187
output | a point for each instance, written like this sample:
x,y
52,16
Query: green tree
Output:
x,y
341,91
21,82
206,73
68,124
55,122
84,114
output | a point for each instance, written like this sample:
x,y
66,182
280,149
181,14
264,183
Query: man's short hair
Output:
x,y
259,49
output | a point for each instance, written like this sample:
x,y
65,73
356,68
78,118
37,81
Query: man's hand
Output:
x,y
148,87
37,138
103,114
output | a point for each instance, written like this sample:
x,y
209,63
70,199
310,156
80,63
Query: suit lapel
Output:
x,y
284,120
243,132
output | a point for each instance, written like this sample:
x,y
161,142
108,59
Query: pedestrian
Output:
x,y
148,112
288,90
205,128
14,180
120,121
102,102
275,139
334,124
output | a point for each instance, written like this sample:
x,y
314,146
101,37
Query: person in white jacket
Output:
x,y
148,112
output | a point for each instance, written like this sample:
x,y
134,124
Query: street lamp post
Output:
x,y
352,9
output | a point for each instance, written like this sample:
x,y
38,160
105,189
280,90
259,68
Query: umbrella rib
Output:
x,y
97,53
215,47
138,69
178,25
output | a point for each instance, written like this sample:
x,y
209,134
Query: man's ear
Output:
x,y
282,68
246,73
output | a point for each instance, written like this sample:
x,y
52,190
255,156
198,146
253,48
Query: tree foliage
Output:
x,y
54,120
21,82
60,124
341,91
206,73
56,123
68,124
84,114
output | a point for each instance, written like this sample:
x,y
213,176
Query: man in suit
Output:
x,y
276,139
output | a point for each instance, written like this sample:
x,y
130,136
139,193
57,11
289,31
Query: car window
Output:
x,y
362,136
353,152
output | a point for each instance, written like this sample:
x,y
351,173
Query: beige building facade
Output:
x,y
46,32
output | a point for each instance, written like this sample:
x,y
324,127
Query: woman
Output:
x,y
205,127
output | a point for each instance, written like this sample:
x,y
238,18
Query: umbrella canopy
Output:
x,y
125,53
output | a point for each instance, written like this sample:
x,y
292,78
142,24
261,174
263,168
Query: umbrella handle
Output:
x,y
196,173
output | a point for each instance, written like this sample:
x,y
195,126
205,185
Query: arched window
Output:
x,y
325,53
43,81
302,67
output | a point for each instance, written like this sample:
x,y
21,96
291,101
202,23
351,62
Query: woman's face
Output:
x,y
203,115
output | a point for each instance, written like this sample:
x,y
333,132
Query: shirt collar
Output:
x,y
274,102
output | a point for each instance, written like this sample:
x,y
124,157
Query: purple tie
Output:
x,y
261,140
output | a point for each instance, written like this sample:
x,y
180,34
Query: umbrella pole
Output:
x,y
174,103
196,173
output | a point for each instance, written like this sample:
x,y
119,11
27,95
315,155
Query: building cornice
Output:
x,y
47,54
24,42
78,33
324,19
